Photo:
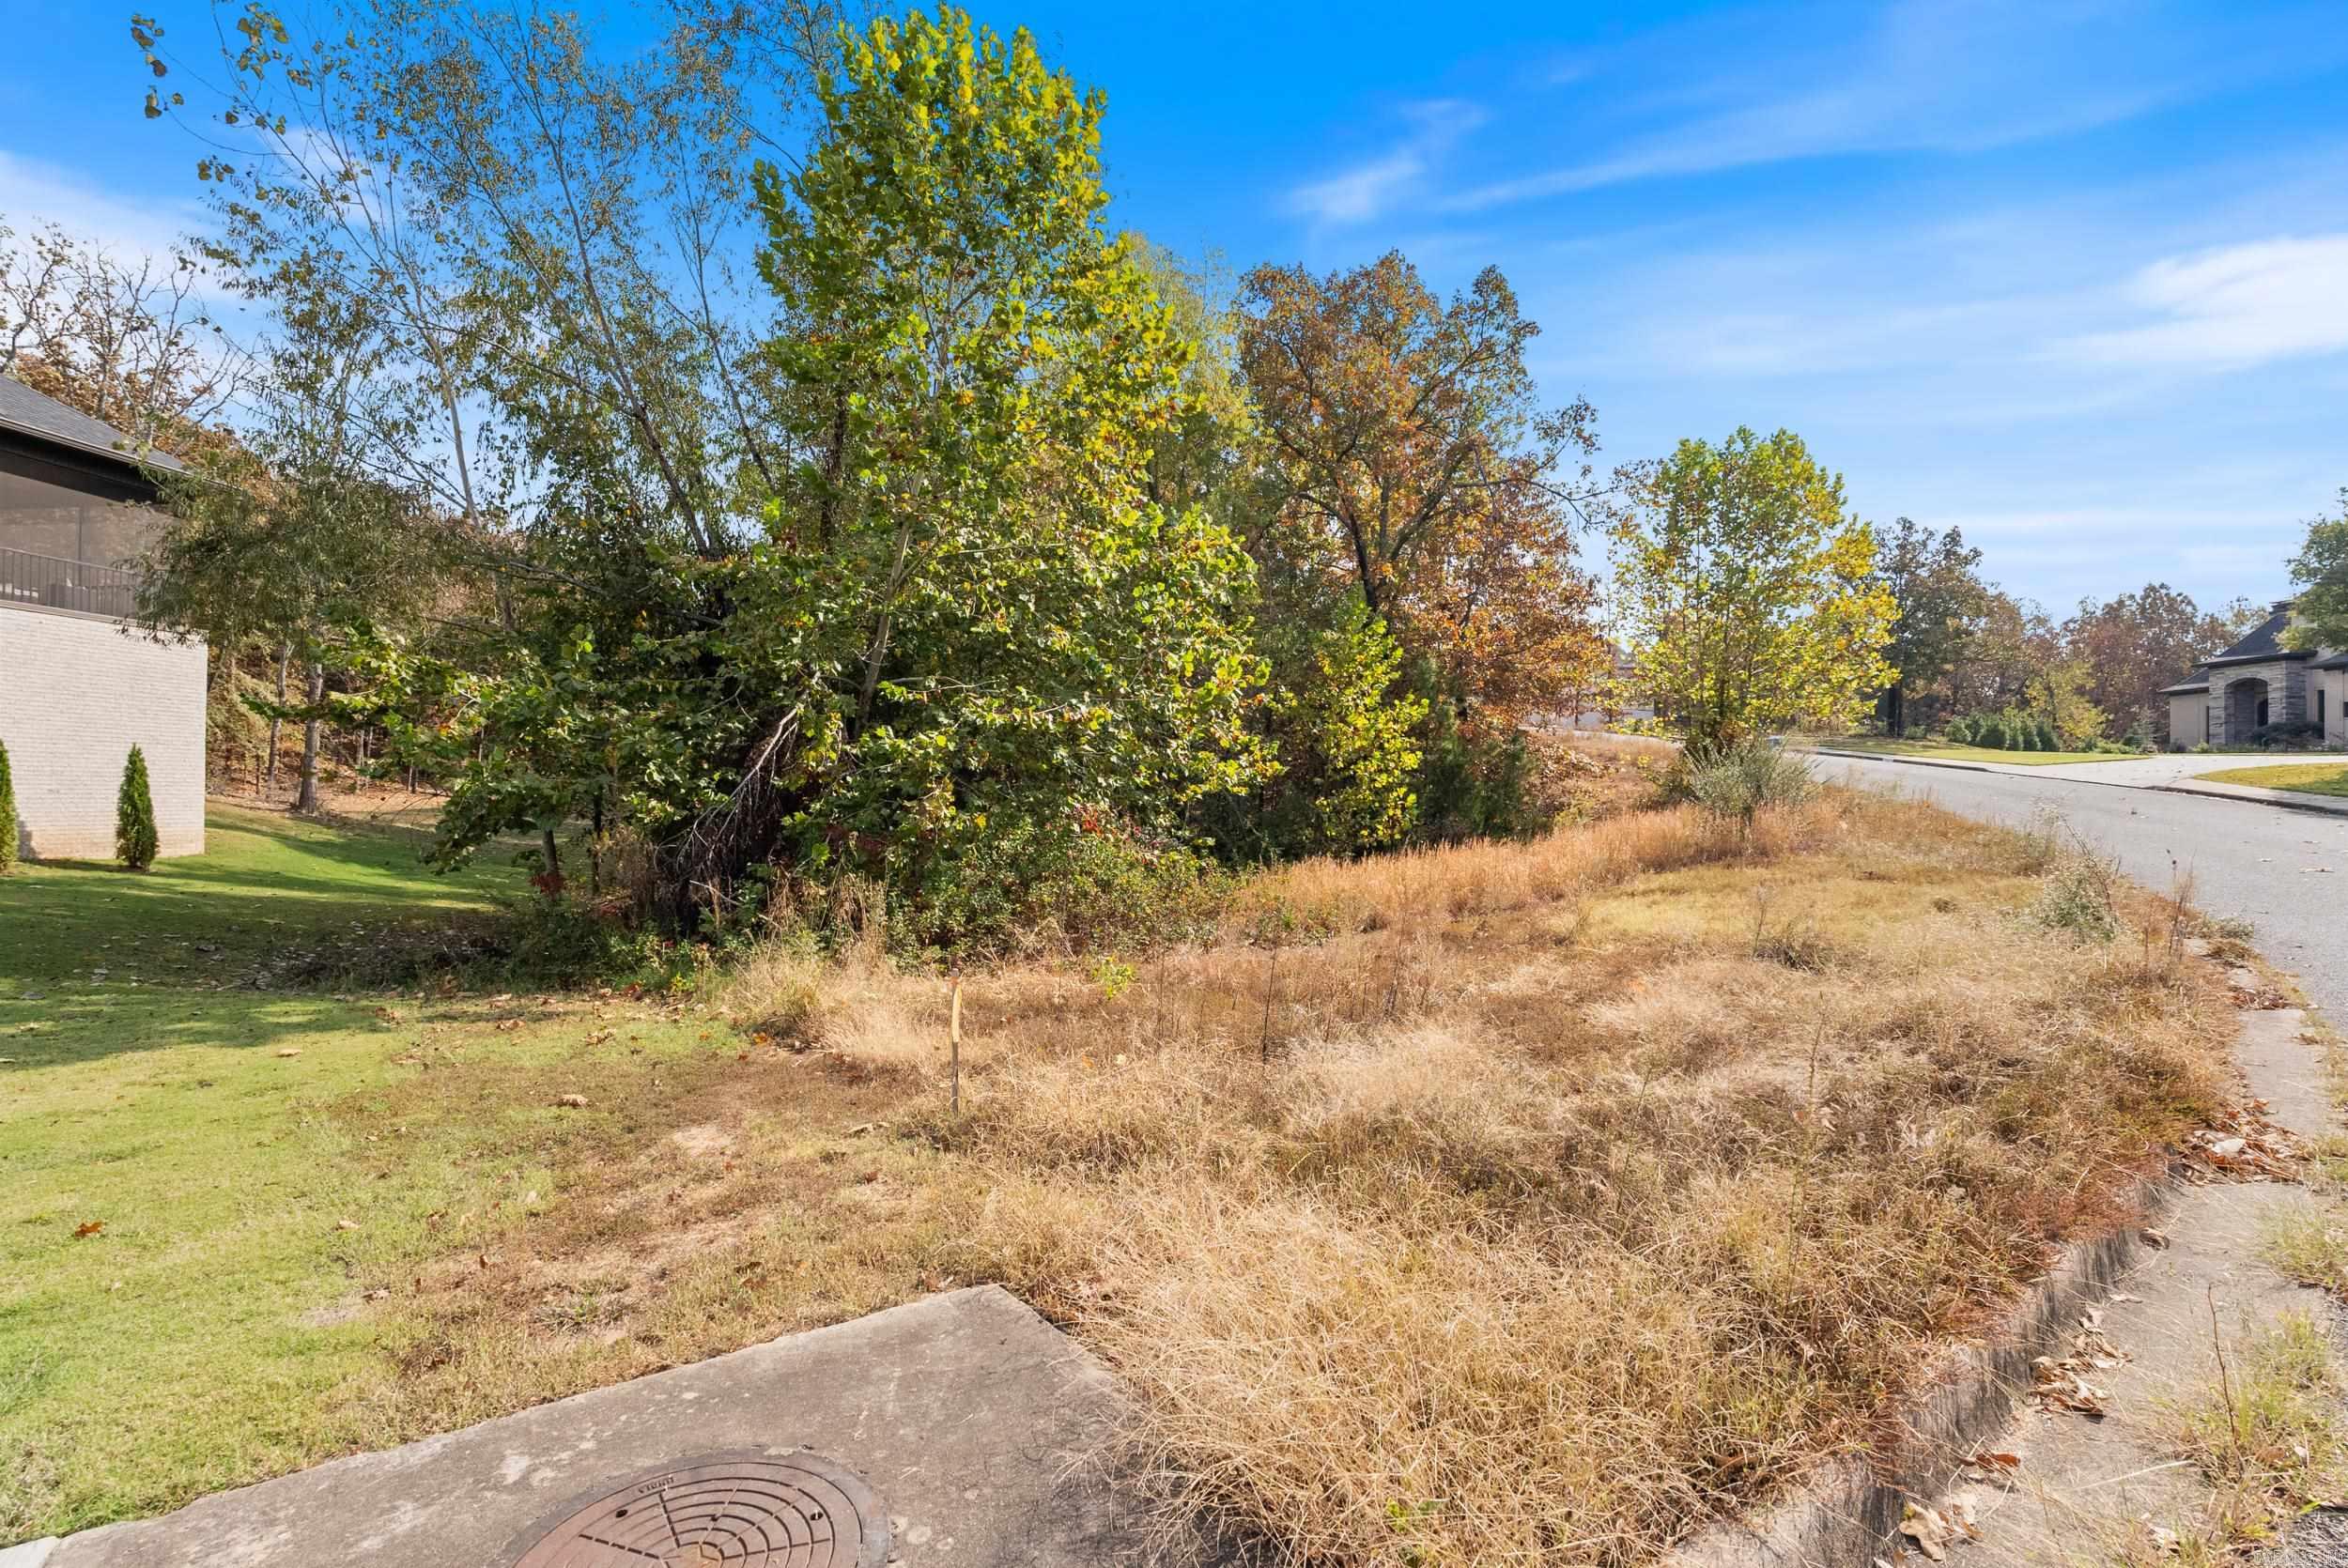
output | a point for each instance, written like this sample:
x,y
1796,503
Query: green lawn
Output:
x,y
177,1163
2307,778
1943,750
247,1224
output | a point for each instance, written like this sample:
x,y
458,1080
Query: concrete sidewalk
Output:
x,y
976,1425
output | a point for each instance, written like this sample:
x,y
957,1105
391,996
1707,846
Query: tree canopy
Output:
x,y
1750,599
2320,571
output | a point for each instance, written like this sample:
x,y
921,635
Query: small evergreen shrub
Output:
x,y
1738,780
2047,741
1993,733
7,816
135,838
1961,730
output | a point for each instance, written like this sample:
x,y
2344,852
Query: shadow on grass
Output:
x,y
210,940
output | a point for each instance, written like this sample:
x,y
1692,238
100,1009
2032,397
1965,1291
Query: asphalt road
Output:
x,y
2248,860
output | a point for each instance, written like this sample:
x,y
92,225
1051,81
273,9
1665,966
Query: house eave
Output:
x,y
2282,655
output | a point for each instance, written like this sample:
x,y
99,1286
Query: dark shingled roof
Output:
x,y
2266,641
44,418
2196,679
2338,661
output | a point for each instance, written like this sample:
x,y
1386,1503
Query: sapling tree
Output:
x,y
1750,597
137,840
8,814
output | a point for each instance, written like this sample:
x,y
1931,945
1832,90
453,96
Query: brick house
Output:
x,y
79,683
2259,681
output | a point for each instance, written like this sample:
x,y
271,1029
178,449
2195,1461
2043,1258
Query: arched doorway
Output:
x,y
2245,709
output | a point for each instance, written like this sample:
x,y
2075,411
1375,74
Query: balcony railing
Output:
x,y
54,583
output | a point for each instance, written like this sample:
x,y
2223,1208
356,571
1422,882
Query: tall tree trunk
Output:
x,y
277,725
306,802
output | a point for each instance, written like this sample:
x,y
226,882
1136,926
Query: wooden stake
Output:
x,y
953,1036
1271,985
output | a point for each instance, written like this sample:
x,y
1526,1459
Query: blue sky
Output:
x,y
2070,275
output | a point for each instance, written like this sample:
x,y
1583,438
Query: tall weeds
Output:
x,y
1525,1204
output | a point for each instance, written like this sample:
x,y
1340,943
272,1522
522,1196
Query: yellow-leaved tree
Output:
x,y
1746,594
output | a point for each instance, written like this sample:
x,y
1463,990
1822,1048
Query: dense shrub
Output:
x,y
2077,896
2290,737
1991,733
7,816
1475,785
1087,882
1738,780
135,838
1961,730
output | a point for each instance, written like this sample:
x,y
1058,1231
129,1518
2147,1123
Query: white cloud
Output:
x,y
1939,75
1358,194
33,192
2227,308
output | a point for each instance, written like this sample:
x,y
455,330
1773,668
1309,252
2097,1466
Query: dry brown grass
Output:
x,y
1506,1204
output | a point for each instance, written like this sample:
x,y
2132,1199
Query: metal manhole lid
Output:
x,y
733,1510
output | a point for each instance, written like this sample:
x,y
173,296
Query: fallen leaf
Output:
x,y
2155,1238
1991,1463
1928,1529
88,1228
290,1051
345,1225
576,1102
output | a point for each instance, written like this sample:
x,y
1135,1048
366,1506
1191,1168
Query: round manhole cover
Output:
x,y
719,1511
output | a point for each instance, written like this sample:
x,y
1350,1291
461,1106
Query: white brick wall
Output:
x,y
75,692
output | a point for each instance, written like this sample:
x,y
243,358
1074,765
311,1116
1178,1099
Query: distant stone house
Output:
x,y
2259,681
78,685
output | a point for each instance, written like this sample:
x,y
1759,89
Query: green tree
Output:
x,y
1941,602
961,624
1413,464
2133,644
1995,665
8,815
2321,570
1353,737
290,536
135,836
1750,599
2059,698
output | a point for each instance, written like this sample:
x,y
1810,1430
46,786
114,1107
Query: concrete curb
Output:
x,y
1847,1510
1907,761
2249,794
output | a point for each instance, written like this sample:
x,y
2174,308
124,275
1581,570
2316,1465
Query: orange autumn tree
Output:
x,y
1413,464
